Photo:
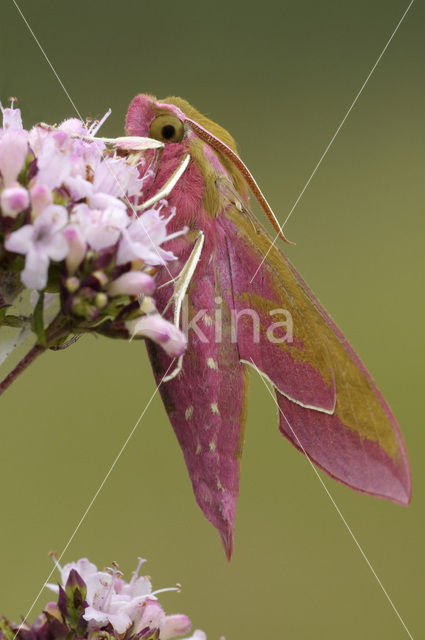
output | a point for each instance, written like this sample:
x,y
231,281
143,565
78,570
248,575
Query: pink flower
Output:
x,y
41,197
40,242
13,151
11,117
175,626
76,248
83,567
53,162
100,228
132,283
113,601
143,237
14,199
156,328
117,178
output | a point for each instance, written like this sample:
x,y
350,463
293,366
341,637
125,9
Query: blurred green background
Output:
x,y
280,76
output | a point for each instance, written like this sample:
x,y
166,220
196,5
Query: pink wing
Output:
x,y
206,401
330,408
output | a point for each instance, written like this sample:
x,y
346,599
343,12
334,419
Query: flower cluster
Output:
x,y
68,225
96,604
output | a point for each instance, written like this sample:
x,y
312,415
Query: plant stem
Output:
x,y
21,366
56,330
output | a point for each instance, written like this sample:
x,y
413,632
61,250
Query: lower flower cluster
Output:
x,y
95,604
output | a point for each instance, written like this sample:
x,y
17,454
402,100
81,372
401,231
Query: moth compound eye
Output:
x,y
167,128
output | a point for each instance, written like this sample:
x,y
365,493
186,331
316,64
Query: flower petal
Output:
x,y
20,241
159,330
13,151
175,626
34,276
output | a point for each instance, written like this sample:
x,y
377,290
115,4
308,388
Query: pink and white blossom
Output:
x,y
13,152
11,117
124,605
41,197
14,199
133,283
40,242
143,238
68,193
156,328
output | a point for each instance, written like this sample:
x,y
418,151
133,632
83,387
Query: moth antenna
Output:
x,y
220,146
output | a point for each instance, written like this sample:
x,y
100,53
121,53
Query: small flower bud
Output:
x,y
13,152
75,587
175,626
72,284
52,611
14,199
41,197
101,277
160,330
132,283
147,305
77,249
101,300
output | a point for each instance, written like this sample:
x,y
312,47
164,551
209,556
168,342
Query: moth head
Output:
x,y
148,117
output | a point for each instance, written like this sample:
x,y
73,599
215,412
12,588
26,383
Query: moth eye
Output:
x,y
167,128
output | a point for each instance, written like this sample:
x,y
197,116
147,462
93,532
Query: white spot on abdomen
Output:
x,y
212,364
188,413
214,408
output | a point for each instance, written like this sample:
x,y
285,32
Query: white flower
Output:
x,y
143,237
100,228
111,600
53,162
40,242
116,178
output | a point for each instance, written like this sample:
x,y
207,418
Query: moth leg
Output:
x,y
66,344
168,186
182,283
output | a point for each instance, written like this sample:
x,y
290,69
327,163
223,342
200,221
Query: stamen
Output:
x,y
136,573
177,588
53,556
97,124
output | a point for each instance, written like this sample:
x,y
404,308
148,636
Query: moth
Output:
x,y
329,406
